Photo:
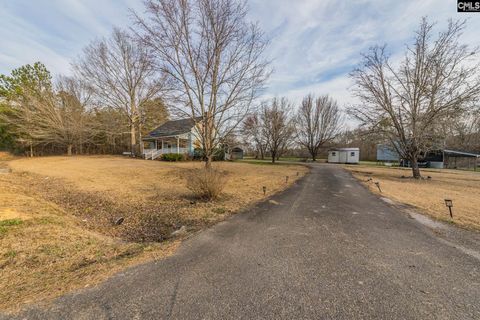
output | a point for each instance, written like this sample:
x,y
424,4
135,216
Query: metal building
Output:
x,y
344,155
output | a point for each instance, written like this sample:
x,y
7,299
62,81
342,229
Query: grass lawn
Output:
x,y
56,216
463,187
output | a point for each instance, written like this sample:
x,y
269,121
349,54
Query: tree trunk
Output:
x,y
133,140
415,168
312,153
31,150
69,150
140,142
274,156
208,162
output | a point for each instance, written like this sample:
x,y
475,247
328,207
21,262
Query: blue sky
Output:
x,y
314,43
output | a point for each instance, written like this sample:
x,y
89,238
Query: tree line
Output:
x,y
205,60
104,107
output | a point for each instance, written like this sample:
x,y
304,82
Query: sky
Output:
x,y
314,44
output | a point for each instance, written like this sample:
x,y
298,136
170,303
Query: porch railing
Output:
x,y
152,154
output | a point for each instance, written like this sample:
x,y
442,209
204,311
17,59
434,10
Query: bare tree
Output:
x,y
318,122
464,132
436,80
277,125
122,74
53,117
213,60
74,97
253,133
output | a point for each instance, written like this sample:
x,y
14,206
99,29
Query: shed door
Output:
x,y
342,156
352,156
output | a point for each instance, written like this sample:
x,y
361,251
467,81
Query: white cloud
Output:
x,y
55,31
314,44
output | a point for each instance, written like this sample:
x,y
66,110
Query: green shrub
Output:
x,y
172,157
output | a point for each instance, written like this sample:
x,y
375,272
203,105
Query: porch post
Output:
x,y
156,144
178,145
162,145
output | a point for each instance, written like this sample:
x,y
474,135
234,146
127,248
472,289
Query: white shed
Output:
x,y
344,155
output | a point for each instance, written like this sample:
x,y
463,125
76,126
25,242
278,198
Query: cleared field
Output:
x,y
56,227
463,187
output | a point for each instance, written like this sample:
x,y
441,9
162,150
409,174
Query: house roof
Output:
x,y
173,128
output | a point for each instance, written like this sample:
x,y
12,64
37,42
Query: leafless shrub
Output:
x,y
206,183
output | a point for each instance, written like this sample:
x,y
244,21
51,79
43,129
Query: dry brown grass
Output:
x,y
4,156
123,180
56,212
47,252
428,194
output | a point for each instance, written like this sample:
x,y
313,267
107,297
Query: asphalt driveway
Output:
x,y
324,249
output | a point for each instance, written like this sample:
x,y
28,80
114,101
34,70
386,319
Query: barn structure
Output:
x,y
344,155
452,159
235,153
439,158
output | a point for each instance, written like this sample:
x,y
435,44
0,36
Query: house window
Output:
x,y
352,154
334,154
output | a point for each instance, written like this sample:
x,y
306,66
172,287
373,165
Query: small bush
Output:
x,y
172,157
205,183
218,154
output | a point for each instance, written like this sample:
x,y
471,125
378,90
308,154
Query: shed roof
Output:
x,y
173,128
344,149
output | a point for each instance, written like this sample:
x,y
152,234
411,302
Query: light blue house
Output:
x,y
174,136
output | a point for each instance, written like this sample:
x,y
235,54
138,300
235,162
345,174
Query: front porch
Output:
x,y
155,147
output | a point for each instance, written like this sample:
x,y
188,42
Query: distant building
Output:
x,y
439,158
450,159
235,153
344,155
386,153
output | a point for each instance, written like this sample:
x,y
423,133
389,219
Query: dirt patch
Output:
x,y
429,194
